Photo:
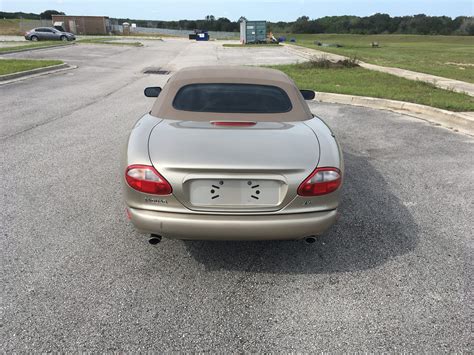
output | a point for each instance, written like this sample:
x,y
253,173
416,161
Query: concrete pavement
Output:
x,y
394,274
457,121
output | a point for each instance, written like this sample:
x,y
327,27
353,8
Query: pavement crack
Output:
x,y
93,102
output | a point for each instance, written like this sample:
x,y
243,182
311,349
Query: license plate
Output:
x,y
234,192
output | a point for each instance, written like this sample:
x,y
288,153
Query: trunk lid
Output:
x,y
202,160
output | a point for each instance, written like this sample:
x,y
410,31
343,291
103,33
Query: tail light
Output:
x,y
145,178
321,182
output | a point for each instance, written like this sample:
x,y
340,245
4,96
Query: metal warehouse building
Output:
x,y
83,25
253,31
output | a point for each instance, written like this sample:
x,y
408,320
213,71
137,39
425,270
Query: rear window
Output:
x,y
232,98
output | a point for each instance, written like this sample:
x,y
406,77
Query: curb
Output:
x,y
457,121
10,78
458,86
37,48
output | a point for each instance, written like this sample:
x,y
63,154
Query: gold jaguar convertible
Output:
x,y
231,153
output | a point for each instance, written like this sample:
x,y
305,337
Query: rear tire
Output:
x,y
63,38
34,38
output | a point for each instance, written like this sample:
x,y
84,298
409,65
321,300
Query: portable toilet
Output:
x,y
253,31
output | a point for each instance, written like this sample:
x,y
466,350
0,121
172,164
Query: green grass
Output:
x,y
112,41
238,45
143,36
10,66
31,45
446,56
363,82
151,36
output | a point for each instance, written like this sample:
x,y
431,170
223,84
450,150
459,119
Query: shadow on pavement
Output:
x,y
374,227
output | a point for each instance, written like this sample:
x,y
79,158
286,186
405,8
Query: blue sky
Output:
x,y
272,10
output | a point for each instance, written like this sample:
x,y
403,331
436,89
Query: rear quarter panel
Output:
x,y
330,150
136,153
330,156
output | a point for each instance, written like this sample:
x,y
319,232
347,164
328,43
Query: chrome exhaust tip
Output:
x,y
310,240
154,239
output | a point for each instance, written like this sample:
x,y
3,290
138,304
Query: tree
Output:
x,y
223,24
301,25
467,26
48,14
379,23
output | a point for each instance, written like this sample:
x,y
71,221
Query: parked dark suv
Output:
x,y
48,34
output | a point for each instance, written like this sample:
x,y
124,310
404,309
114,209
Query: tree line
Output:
x,y
383,23
375,24
45,15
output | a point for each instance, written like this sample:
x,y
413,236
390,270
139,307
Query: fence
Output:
x,y
178,33
26,25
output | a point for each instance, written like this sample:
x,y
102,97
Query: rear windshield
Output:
x,y
232,98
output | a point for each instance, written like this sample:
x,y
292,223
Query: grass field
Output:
x,y
10,66
446,56
238,45
10,27
157,36
105,40
363,82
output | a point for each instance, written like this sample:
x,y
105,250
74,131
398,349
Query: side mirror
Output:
x,y
152,91
308,94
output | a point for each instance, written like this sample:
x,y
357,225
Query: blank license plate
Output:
x,y
230,192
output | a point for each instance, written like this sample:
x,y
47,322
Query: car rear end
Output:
x,y
232,179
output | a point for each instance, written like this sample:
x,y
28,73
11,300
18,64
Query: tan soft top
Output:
x,y
163,106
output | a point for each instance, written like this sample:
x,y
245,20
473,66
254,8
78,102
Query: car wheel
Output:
x,y
34,38
63,38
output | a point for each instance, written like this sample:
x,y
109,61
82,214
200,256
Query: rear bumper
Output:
x,y
232,227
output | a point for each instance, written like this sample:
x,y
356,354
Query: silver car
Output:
x,y
48,34
231,153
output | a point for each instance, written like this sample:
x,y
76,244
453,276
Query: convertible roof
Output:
x,y
163,106
230,73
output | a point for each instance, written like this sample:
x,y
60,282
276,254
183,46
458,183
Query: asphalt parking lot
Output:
x,y
394,274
